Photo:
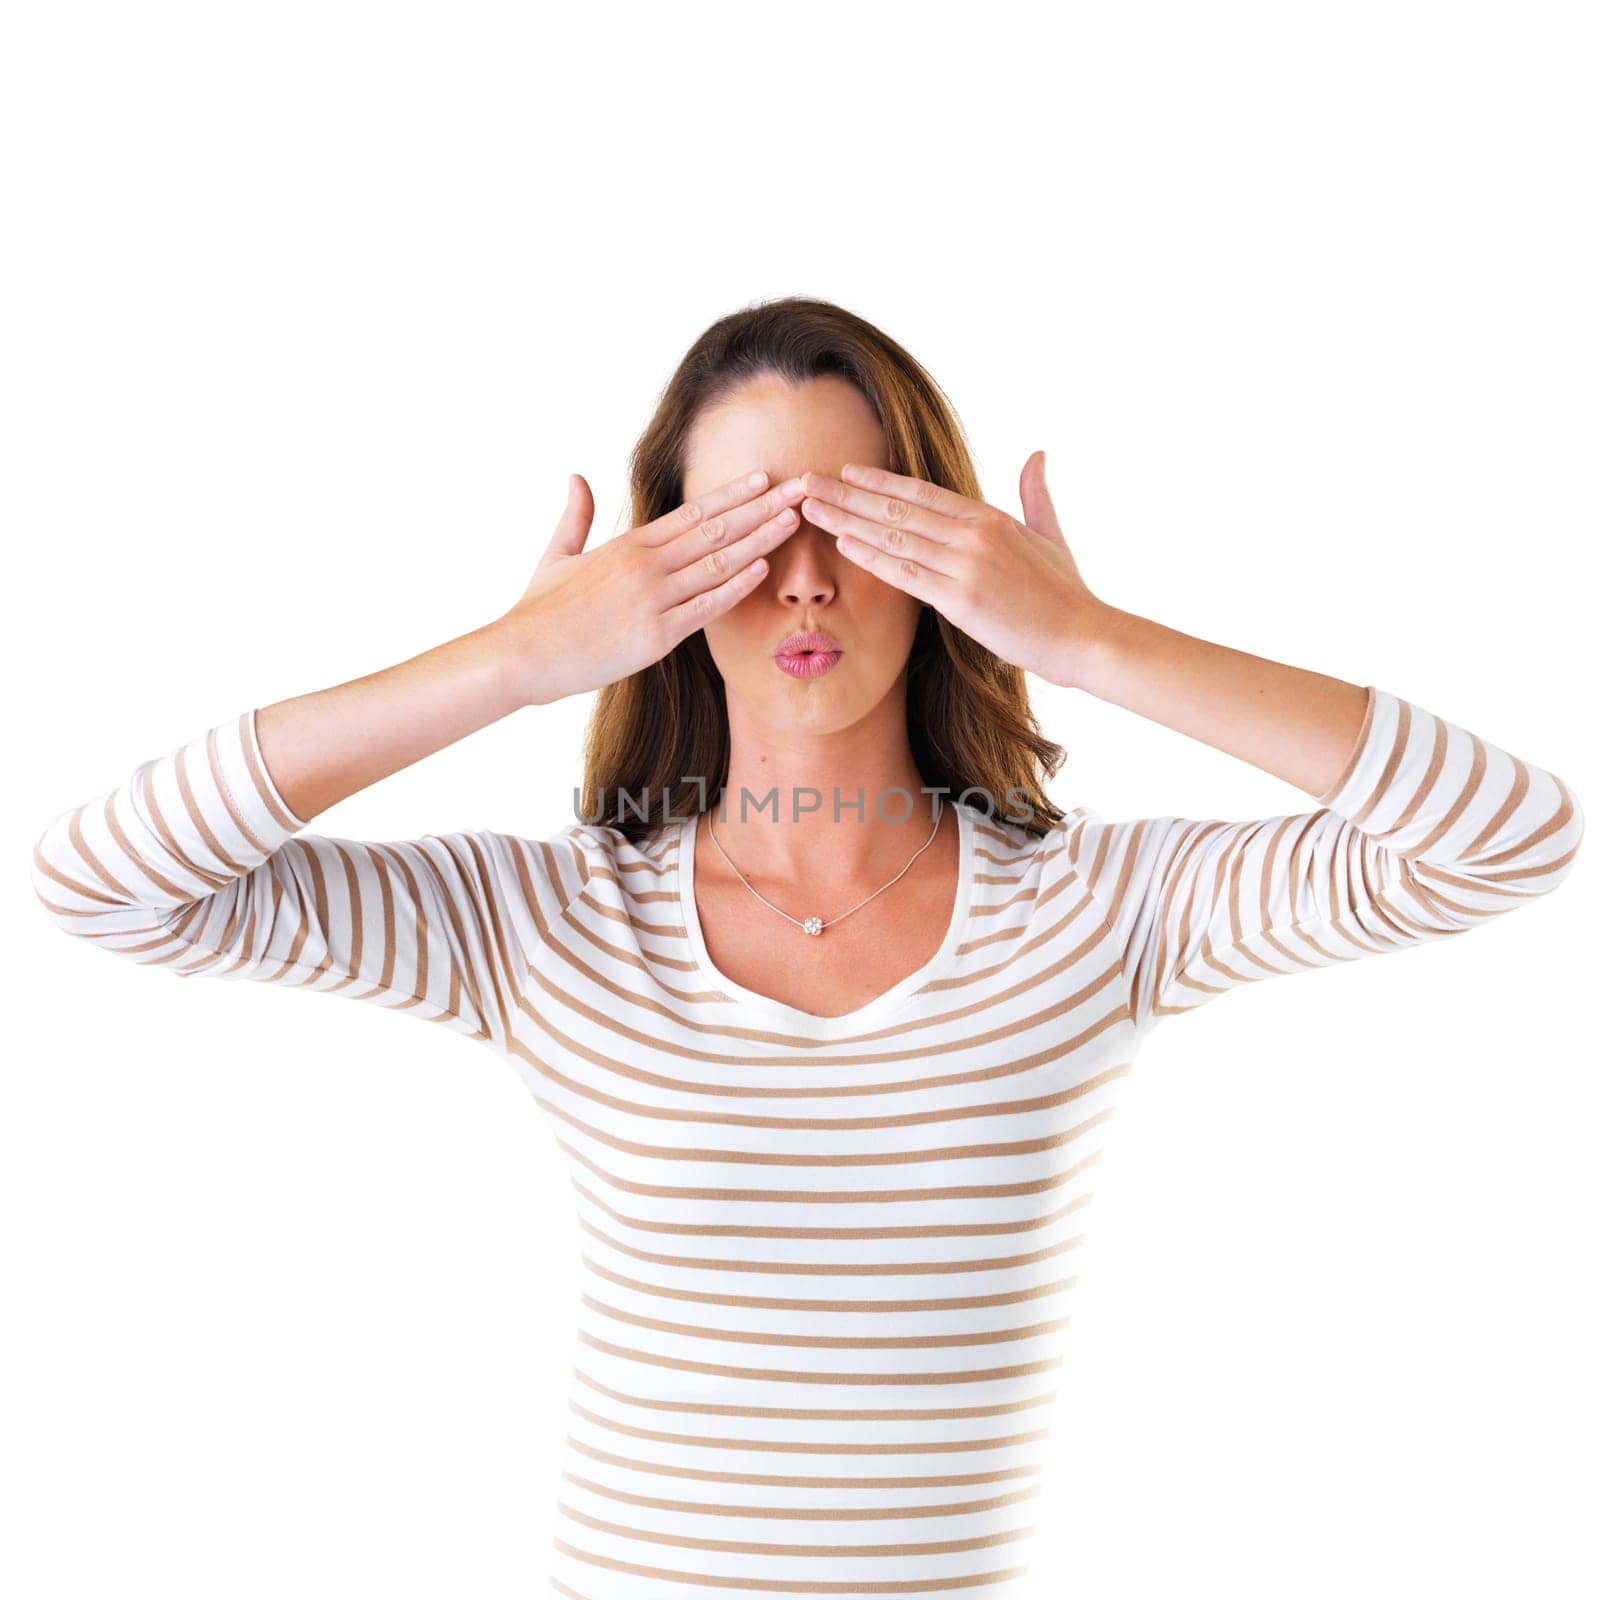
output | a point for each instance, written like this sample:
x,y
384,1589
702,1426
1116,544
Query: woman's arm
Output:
x,y
323,747
1424,829
1300,726
192,862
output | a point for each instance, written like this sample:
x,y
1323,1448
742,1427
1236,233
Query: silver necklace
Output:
x,y
815,925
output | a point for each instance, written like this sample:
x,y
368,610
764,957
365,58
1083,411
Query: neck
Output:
x,y
834,809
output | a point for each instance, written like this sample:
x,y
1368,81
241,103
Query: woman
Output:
x,y
830,1057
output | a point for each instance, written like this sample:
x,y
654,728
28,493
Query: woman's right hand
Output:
x,y
590,617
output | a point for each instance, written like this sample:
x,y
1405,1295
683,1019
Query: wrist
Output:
x,y
501,651
534,666
1093,640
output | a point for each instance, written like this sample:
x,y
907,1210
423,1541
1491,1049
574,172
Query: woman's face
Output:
x,y
785,429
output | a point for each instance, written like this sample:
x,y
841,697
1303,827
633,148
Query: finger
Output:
x,y
717,532
894,540
573,528
933,588
694,613
929,496
1038,510
704,506
712,567
886,509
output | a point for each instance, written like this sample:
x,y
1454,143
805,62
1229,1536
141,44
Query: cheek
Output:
x,y
884,636
735,639
892,621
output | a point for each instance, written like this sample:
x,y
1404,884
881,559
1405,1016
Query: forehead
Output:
x,y
785,428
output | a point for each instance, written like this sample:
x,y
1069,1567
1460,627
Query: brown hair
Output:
x,y
967,713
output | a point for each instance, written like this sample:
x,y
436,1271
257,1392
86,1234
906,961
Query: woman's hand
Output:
x,y
1012,585
590,617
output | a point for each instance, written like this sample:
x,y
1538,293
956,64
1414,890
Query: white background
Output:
x,y
308,311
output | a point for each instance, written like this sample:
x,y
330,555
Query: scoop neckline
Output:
x,y
810,1022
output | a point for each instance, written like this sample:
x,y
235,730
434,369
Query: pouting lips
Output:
x,y
808,642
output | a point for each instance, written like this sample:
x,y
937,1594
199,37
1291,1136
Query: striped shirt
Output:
x,y
828,1261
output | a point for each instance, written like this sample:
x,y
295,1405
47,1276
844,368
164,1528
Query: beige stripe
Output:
x,y
219,784
1470,785
879,1380
1559,820
830,1158
931,1230
471,894
904,1119
815,1197
1385,782
858,1513
1189,840
803,1447
255,765
197,812
799,1341
851,1269
1357,752
922,1414
969,1302
791,1585
1488,883
782,1481
962,1046
742,1547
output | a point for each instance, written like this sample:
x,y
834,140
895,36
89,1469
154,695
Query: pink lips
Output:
x,y
808,653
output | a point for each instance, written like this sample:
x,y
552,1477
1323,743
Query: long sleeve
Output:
x,y
1430,830
193,864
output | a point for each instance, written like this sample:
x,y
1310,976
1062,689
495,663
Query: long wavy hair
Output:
x,y
970,724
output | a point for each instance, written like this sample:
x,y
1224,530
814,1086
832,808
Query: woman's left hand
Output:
x,y
1013,586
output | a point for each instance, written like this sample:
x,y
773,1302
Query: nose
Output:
x,y
800,566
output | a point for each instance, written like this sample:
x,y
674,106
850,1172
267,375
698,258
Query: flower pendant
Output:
x,y
812,925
